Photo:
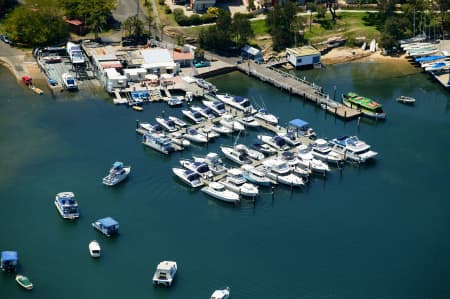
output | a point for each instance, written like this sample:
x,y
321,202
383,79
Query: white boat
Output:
x,y
218,190
438,66
216,106
165,273
276,141
201,168
178,121
24,282
117,174
264,148
237,183
255,176
364,46
279,171
178,138
204,111
193,115
254,154
227,120
264,115
236,155
237,102
221,294
214,163
291,137
217,127
66,205
194,136
69,82
188,176
75,53
208,132
322,151
298,127
94,249
406,100
175,102
167,124
352,148
305,153
158,142
373,46
146,126
249,121
289,157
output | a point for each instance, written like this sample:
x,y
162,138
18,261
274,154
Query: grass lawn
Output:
x,y
259,27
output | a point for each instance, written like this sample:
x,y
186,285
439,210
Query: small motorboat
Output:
x,y
168,124
188,176
255,176
117,174
236,155
214,163
229,122
216,106
178,139
221,294
217,127
218,190
137,108
208,132
198,167
165,273
264,115
175,102
276,141
406,100
69,82
252,153
37,90
206,112
24,282
194,136
236,182
94,248
264,148
193,115
178,121
249,121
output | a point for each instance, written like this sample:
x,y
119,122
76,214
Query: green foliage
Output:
x,y
321,11
194,19
280,22
133,26
241,29
161,2
396,28
167,10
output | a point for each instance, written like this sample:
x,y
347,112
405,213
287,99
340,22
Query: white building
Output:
x,y
135,75
303,56
159,61
112,79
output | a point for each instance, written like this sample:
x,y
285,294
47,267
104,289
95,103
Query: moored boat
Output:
x,y
117,174
322,151
66,205
249,121
218,190
216,106
214,162
255,176
195,136
276,141
107,226
188,176
167,124
237,102
24,282
236,155
228,121
195,116
221,294
367,106
165,273
158,142
264,115
177,121
352,148
198,167
406,100
94,249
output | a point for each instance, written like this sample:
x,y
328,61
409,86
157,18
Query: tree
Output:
x,y
331,5
395,28
133,26
279,23
241,29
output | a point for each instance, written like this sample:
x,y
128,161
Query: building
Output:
x,y
184,58
159,61
303,56
254,54
202,5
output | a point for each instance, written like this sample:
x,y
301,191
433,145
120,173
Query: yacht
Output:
x,y
198,167
177,121
158,142
228,121
322,151
175,102
264,115
264,148
216,106
195,136
214,163
167,124
276,141
249,121
236,155
289,157
146,126
178,139
352,148
217,127
107,226
204,111
165,273
208,132
237,102
255,176
221,294
254,154
69,82
117,174
94,249
307,159
237,183
279,171
218,190
188,176
67,205
193,115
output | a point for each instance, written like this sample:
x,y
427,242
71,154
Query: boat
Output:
x,y
175,102
204,111
264,115
137,108
24,282
291,137
146,126
221,294
9,261
208,132
322,151
36,90
69,82
236,155
117,174
188,176
307,160
165,273
406,100
249,121
218,190
66,205
252,153
264,148
194,136
193,115
255,176
158,142
167,124
214,162
209,87
227,120
217,107
367,106
94,248
238,184
217,127
300,127
364,46
352,148
52,59
75,53
289,157
237,102
279,171
178,139
373,45
177,121
438,66
200,168
107,226
276,141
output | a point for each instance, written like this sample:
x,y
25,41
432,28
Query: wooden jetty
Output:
x,y
298,86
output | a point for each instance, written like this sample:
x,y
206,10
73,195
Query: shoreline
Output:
x,y
345,55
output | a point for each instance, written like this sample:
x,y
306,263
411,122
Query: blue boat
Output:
x,y
9,261
429,58
67,205
108,226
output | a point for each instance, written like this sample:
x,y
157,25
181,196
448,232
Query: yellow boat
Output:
x,y
36,89
137,108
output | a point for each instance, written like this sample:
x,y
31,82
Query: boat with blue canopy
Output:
x,y
117,174
66,205
108,226
9,261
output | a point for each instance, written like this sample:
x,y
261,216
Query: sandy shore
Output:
x,y
344,54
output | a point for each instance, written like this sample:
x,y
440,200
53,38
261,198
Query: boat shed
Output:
x,y
111,79
252,53
9,260
135,75
303,56
159,61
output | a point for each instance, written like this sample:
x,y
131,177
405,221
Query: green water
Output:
x,y
376,231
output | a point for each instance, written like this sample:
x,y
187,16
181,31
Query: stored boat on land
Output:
x,y
188,176
406,100
69,82
66,205
218,190
94,249
24,282
165,273
367,106
221,294
117,173
107,226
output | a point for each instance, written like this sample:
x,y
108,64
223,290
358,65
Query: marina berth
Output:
x,y
107,226
352,148
94,249
367,106
204,111
69,82
235,182
9,261
221,294
159,142
167,124
264,115
24,282
194,135
117,174
249,122
201,168
177,121
188,177
193,116
255,176
276,141
322,151
236,154
218,190
216,106
279,171
214,163
66,205
227,120
305,153
178,139
165,273
217,127
238,102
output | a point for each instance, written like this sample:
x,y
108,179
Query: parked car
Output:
x,y
202,63
5,39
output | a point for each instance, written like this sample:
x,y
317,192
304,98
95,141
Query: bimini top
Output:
x,y
108,222
298,123
10,256
117,165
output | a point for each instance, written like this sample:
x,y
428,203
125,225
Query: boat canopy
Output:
x,y
299,123
9,256
117,165
108,222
